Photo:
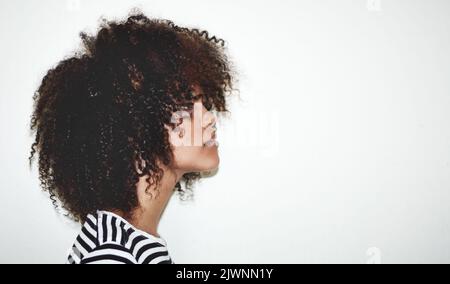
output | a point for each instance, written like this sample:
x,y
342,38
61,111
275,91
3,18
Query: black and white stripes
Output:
x,y
108,238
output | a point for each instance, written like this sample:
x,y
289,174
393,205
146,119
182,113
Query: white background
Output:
x,y
338,152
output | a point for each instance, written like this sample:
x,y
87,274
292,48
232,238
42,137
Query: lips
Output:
x,y
211,143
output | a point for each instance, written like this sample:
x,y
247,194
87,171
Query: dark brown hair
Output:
x,y
102,109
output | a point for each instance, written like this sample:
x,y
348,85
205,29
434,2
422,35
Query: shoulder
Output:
x,y
102,238
109,253
148,250
108,238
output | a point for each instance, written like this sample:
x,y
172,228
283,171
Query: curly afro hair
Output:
x,y
98,112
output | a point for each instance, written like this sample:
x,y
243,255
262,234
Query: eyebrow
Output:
x,y
198,96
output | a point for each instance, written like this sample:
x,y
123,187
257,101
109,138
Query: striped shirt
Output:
x,y
108,238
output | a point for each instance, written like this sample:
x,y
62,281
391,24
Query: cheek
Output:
x,y
184,156
196,158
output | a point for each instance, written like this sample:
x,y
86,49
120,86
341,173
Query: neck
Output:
x,y
152,204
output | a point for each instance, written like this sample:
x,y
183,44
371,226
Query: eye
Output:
x,y
197,97
208,105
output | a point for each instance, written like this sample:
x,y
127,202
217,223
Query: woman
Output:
x,y
121,125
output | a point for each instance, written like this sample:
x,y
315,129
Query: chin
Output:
x,y
209,163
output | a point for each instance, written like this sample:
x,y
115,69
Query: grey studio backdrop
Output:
x,y
337,152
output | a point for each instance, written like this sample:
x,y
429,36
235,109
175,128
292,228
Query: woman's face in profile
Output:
x,y
194,145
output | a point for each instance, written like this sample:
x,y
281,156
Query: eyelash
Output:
x,y
208,106
188,108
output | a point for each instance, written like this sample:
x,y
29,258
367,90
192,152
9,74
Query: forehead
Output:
x,y
196,95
